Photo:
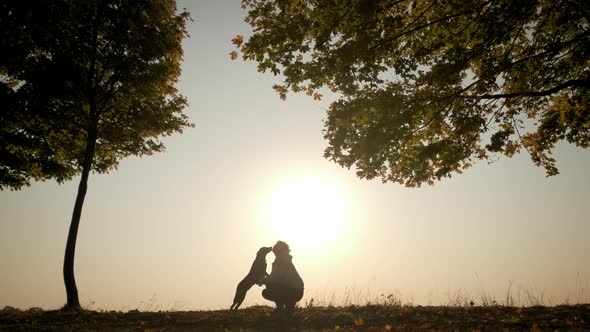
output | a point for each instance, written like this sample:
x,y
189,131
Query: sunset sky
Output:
x,y
178,230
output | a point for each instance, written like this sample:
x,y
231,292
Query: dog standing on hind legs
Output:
x,y
256,274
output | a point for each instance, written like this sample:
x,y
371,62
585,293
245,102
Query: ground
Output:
x,y
351,318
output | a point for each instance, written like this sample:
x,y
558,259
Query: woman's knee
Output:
x,y
268,294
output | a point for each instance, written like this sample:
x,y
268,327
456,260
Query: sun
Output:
x,y
308,213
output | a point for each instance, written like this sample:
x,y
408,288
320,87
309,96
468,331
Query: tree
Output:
x,y
84,84
425,88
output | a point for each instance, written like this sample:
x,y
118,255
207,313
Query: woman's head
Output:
x,y
281,247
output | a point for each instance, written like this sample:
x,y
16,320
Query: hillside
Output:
x,y
352,318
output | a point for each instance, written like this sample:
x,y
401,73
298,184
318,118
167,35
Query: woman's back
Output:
x,y
284,272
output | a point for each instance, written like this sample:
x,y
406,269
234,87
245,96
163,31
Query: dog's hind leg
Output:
x,y
238,299
236,305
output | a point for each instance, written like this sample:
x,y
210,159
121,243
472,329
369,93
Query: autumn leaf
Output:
x,y
238,40
281,90
317,96
299,57
359,322
233,55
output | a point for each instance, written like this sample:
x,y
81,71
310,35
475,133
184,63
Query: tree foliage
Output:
x,y
69,68
84,84
425,88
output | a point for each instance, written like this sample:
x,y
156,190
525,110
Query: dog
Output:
x,y
255,276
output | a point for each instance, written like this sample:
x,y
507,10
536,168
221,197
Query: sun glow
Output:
x,y
309,213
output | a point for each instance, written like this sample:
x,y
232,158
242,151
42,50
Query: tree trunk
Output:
x,y
92,134
68,268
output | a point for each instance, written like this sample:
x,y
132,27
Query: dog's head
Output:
x,y
262,252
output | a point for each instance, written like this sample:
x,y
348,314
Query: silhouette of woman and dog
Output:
x,y
284,286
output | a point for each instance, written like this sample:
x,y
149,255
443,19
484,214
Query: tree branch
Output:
x,y
557,88
420,27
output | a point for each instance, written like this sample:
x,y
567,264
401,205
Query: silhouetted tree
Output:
x,y
427,87
84,84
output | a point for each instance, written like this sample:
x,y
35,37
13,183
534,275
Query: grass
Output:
x,y
389,316
517,311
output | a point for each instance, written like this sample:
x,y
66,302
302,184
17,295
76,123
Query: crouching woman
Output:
x,y
284,286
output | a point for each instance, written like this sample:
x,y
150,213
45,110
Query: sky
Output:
x,y
179,230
